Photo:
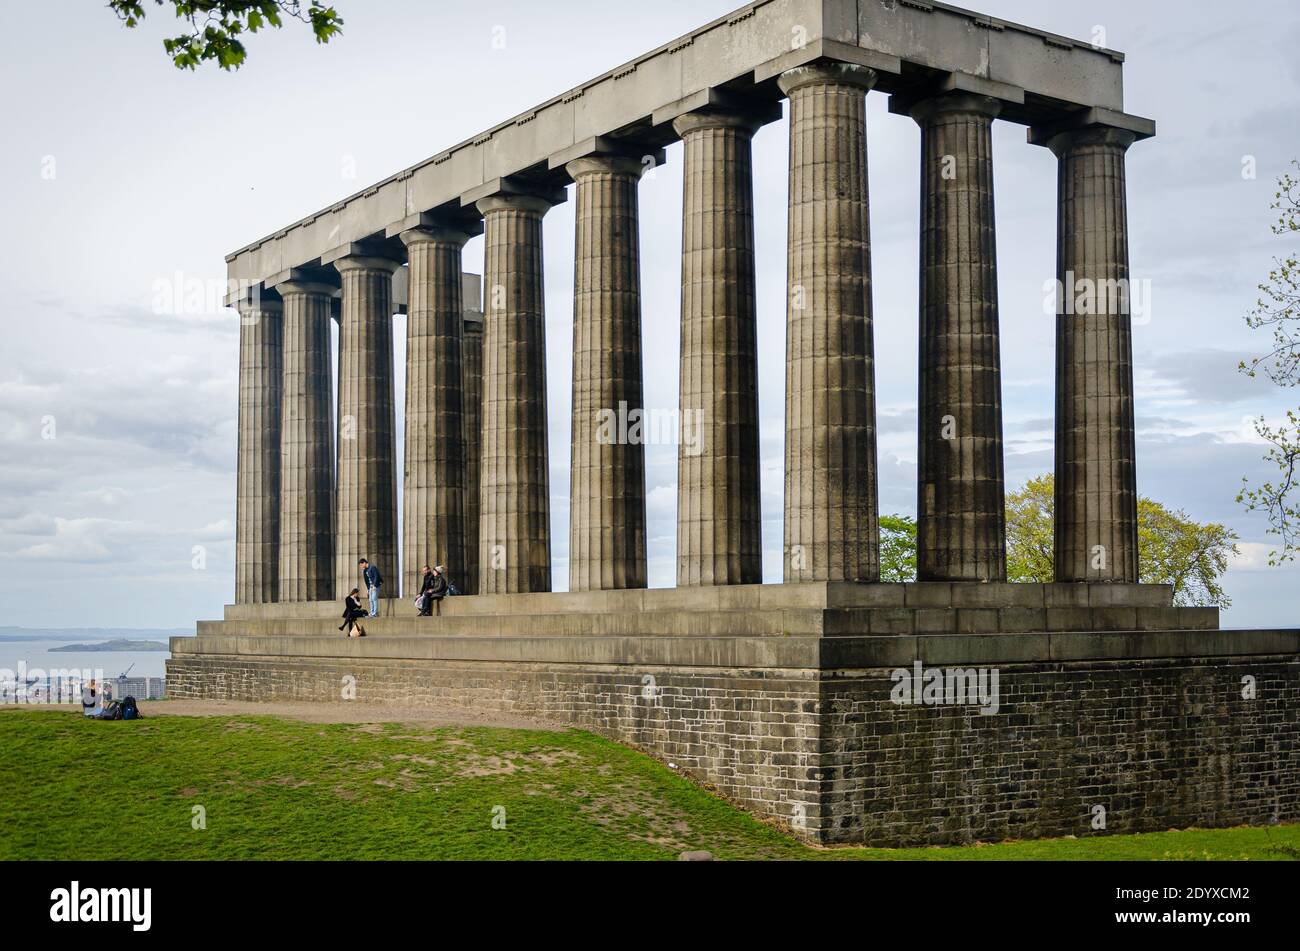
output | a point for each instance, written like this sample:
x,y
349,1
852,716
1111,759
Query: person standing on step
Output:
x,y
373,581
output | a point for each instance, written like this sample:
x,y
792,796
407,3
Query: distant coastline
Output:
x,y
111,646
85,635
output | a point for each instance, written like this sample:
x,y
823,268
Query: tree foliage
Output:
x,y
1030,534
215,26
1278,311
1173,549
897,548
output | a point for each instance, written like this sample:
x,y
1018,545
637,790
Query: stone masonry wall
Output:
x,y
1155,744
750,734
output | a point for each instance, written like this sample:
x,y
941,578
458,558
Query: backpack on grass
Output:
x,y
112,711
129,709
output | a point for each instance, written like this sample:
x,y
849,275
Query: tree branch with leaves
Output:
x,y
215,26
1278,311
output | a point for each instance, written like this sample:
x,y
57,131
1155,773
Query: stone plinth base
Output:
x,y
1059,730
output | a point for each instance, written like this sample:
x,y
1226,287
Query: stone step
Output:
x,y
775,597
752,653
845,622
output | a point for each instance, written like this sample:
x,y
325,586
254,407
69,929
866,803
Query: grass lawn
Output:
x,y
286,789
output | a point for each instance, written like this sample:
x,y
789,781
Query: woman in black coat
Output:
x,y
352,613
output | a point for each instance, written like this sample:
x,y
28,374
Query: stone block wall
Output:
x,y
751,734
1156,744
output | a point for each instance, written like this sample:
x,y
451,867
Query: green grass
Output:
x,y
285,789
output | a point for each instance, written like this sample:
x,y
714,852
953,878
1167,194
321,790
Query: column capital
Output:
x,y
364,255
1064,141
323,281
601,146
957,85
746,122
365,262
608,164
1091,127
530,204
514,192
259,301
958,103
291,288
435,234
827,72
441,219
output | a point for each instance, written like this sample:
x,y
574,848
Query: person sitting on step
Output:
x,y
352,614
433,588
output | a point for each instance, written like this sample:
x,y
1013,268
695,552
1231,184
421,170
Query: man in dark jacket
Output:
x,y
433,588
373,581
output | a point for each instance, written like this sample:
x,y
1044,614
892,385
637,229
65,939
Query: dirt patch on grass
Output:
x,y
366,714
314,712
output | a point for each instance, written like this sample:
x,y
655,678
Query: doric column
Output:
x,y
307,445
433,493
961,505
367,468
607,543
718,506
471,371
1096,479
257,504
514,502
832,530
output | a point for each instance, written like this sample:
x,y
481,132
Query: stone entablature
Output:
x,y
908,42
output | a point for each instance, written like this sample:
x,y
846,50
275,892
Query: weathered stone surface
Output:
x,y
1153,603
607,540
908,43
1158,741
514,501
257,507
307,445
718,503
433,491
961,512
832,531
366,523
471,372
1096,480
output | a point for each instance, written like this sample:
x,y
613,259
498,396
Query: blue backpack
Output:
x,y
129,710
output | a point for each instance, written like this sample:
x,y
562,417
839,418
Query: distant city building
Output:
x,y
142,688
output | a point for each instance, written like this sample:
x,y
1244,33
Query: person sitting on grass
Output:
x,y
352,614
90,699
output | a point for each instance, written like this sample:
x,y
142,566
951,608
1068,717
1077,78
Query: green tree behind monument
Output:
x,y
1173,548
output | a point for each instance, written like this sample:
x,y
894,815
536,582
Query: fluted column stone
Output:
x,y
257,502
961,503
832,530
1096,536
307,445
607,533
514,502
718,506
367,449
433,490
472,382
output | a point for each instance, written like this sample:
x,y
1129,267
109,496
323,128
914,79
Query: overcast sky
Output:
x,y
117,423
